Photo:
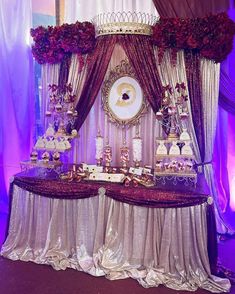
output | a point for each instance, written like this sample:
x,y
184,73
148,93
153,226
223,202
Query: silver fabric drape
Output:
x,y
101,236
210,74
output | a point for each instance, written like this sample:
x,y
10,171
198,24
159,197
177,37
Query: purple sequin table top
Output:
x,y
48,184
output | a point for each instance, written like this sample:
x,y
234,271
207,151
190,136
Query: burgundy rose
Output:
x,y
192,43
205,40
53,44
212,35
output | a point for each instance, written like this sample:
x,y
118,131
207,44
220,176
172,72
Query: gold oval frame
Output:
x,y
124,69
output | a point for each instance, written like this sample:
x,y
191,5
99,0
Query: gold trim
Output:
x,y
123,22
124,69
124,28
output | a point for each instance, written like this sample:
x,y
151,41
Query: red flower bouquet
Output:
x,y
53,44
211,36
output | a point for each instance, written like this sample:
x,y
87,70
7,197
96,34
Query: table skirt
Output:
x,y
102,236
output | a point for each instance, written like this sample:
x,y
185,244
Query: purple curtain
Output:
x,y
190,8
224,156
220,159
96,71
140,53
224,167
227,92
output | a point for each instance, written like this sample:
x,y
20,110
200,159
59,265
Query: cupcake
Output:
x,y
45,157
56,156
34,156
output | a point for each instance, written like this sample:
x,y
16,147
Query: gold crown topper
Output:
x,y
124,23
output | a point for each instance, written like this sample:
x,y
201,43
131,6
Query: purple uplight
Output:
x,y
17,91
231,159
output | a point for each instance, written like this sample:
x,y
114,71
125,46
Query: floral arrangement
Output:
x,y
53,44
211,36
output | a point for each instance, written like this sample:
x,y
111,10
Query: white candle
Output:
x,y
137,149
99,143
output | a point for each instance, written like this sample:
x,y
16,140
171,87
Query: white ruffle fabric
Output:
x,y
101,236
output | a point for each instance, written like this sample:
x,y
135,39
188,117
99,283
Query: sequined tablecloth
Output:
x,y
48,184
102,212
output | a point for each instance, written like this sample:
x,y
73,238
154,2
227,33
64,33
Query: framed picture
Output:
x,y
122,96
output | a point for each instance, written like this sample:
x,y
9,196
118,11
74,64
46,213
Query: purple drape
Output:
x,y
227,92
220,159
96,71
50,185
140,53
224,156
190,8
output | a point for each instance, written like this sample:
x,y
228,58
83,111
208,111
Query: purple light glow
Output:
x,y
17,91
231,159
230,67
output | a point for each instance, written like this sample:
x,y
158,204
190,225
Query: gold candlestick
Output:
x,y
125,156
107,156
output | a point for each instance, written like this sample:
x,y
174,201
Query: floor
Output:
x,y
26,277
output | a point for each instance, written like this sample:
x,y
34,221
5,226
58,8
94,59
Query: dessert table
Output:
x,y
159,235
